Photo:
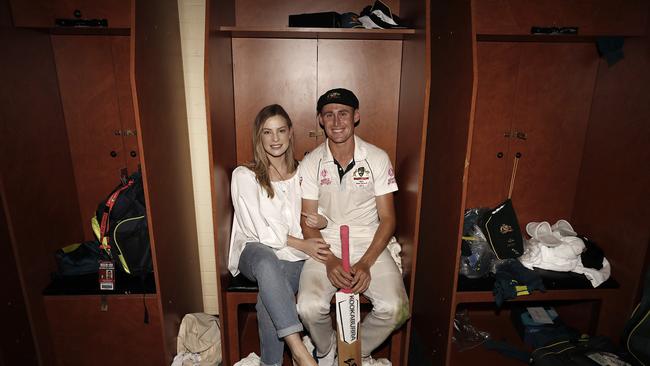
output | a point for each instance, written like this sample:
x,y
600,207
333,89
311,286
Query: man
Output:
x,y
350,182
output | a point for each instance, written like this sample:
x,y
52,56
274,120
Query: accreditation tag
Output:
x,y
106,275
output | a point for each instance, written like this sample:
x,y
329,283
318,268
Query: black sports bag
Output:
x,y
124,233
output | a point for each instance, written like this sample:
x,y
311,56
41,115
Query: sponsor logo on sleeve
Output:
x,y
325,179
391,176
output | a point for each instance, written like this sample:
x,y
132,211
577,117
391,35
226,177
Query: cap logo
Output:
x,y
505,229
333,95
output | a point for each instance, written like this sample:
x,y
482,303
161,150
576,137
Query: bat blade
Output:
x,y
347,313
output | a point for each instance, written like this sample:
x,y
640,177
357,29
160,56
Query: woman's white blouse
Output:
x,y
259,218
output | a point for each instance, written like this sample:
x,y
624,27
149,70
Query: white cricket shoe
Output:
x,y
369,361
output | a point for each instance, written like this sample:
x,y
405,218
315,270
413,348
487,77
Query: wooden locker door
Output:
x,y
268,71
121,50
105,330
554,88
490,165
371,69
90,103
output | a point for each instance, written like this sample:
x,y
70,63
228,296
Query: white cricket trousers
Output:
x,y
390,305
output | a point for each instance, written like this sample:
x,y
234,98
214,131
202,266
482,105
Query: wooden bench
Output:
x,y
241,291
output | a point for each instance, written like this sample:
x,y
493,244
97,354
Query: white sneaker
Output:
x,y
251,360
329,359
369,361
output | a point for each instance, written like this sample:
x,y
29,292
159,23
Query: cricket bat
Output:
x,y
347,313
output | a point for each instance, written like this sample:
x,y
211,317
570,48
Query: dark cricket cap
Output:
x,y
340,96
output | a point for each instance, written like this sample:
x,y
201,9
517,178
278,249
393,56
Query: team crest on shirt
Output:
x,y
361,177
325,179
391,176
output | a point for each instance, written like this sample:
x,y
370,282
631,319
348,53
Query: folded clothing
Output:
x,y
512,279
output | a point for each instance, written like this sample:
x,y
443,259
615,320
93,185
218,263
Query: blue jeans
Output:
x,y
277,281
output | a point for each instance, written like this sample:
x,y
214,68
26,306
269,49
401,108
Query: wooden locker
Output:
x,y
504,78
533,99
128,79
254,59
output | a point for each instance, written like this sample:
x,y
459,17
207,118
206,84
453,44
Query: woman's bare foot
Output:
x,y
299,353
306,361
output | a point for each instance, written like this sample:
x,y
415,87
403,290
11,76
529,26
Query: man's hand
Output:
x,y
335,273
361,277
316,248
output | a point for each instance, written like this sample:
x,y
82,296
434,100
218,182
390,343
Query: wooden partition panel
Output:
x,y
162,122
450,103
282,71
411,132
221,140
38,181
371,69
410,139
16,341
611,206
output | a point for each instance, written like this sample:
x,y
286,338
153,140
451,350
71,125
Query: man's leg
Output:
x,y
314,296
276,311
390,304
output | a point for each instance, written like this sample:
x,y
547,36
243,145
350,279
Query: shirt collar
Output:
x,y
360,150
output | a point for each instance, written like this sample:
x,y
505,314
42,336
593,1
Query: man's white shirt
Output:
x,y
351,200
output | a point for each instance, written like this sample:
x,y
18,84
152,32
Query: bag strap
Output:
x,y
514,174
104,226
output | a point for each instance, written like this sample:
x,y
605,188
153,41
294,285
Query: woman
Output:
x,y
266,243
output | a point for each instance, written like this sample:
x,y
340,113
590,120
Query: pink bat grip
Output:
x,y
345,250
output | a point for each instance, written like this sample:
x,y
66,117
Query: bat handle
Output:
x,y
345,250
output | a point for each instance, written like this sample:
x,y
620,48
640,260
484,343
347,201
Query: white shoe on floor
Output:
x,y
251,360
369,361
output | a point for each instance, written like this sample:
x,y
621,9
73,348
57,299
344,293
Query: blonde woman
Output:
x,y
267,245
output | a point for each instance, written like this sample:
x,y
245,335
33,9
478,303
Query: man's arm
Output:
x,y
361,269
309,206
335,273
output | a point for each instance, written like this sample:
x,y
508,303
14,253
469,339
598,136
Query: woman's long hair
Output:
x,y
261,164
